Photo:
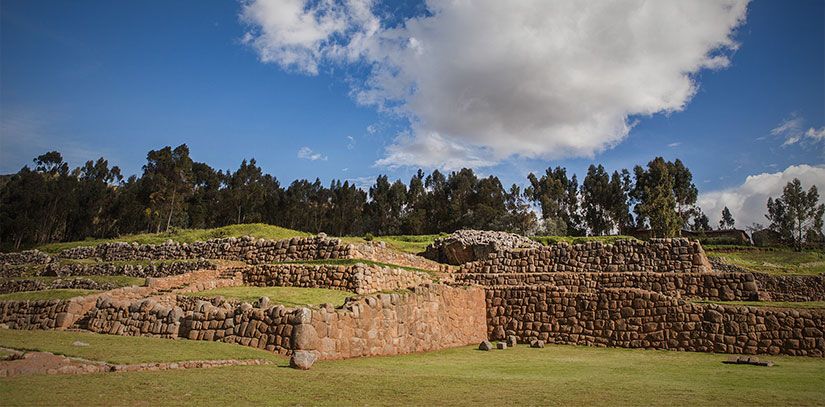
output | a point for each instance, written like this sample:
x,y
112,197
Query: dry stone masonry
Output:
x,y
470,245
359,278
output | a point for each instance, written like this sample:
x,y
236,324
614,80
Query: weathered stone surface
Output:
x,y
537,343
512,340
501,345
485,345
302,359
470,245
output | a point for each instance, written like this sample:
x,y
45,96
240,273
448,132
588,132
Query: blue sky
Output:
x,y
116,79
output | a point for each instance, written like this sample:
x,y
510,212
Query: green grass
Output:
x,y
119,281
771,304
350,262
59,294
127,349
287,296
782,261
257,230
413,244
549,240
555,375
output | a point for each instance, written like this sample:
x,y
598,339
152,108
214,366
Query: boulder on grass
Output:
x,y
536,343
485,345
302,359
511,340
501,345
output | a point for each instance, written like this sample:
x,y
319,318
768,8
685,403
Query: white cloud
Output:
x,y
748,202
491,79
792,129
676,144
350,142
307,154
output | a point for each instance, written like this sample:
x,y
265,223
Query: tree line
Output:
x,y
50,202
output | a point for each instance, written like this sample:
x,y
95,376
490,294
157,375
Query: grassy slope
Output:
x,y
772,304
288,296
405,243
127,349
258,230
60,294
556,375
780,261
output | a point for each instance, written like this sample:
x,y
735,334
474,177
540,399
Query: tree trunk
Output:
x,y
171,208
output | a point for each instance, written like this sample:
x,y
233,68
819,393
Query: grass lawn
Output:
x,y
413,244
258,230
555,375
784,261
127,349
771,304
287,296
59,294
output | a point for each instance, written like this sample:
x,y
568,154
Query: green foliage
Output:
x,y
555,375
557,196
727,220
797,216
369,237
779,261
657,202
286,296
127,349
60,294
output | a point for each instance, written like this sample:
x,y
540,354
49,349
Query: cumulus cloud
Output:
x,y
307,153
748,202
491,79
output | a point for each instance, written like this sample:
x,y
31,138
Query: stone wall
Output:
x,y
430,317
359,278
41,314
243,249
268,327
468,245
139,318
13,286
656,255
791,287
24,257
709,285
161,269
633,318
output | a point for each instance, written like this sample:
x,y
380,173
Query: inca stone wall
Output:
x,y
243,249
656,255
358,278
708,285
264,327
139,318
468,245
41,314
791,287
24,257
13,286
633,318
161,269
431,317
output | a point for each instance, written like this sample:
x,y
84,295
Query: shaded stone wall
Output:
x,y
633,318
25,257
358,278
792,287
267,328
41,314
656,255
243,248
13,286
430,317
711,285
134,270
139,318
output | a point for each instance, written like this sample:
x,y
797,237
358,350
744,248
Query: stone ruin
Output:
x,y
469,245
506,287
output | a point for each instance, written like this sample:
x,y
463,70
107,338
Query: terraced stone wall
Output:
x,y
633,318
358,278
708,285
656,255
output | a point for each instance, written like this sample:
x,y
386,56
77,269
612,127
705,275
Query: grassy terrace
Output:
x,y
779,261
126,349
771,304
556,375
287,296
120,281
59,294
258,230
